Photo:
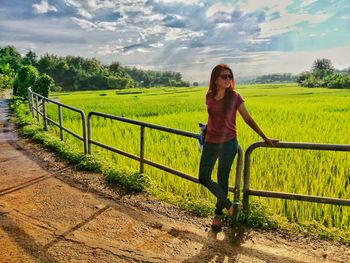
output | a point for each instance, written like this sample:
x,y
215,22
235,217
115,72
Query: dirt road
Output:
x,y
49,212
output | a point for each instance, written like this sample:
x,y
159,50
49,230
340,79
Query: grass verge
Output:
x,y
129,180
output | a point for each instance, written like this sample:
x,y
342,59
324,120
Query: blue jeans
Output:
x,y
226,153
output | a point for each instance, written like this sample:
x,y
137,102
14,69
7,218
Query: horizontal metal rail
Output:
x,y
292,196
154,164
144,124
35,107
299,197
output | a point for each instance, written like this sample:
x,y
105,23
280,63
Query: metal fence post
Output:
x,y
237,188
60,119
30,99
85,137
44,114
37,108
89,133
246,182
142,150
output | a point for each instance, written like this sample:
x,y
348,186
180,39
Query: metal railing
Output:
x,y
282,195
141,157
38,107
37,101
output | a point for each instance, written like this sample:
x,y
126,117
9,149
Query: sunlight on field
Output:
x,y
286,112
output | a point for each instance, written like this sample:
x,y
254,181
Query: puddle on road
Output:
x,y
5,124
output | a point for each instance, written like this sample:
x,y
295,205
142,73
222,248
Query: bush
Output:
x,y
43,84
258,216
129,180
7,76
26,77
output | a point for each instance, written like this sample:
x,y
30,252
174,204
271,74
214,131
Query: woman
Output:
x,y
221,137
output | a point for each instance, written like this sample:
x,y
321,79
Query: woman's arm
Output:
x,y
251,122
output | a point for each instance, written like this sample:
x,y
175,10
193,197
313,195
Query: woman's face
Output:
x,y
224,79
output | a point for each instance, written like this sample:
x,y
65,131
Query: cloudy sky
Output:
x,y
190,36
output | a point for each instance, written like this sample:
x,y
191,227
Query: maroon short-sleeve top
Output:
x,y
222,123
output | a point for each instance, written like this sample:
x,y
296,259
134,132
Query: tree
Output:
x,y
306,79
322,68
178,76
46,64
337,81
119,82
116,69
26,77
152,78
9,55
30,59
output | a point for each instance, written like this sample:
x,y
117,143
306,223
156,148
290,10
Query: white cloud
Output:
x,y
82,12
219,7
157,45
186,2
141,27
107,26
270,5
108,49
87,8
279,26
43,7
84,24
306,3
345,17
93,5
180,34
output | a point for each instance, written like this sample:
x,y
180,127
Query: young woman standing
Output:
x,y
221,143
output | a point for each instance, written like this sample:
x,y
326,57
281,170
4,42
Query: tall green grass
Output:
x,y
285,112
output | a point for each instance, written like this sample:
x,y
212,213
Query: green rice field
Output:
x,y
284,111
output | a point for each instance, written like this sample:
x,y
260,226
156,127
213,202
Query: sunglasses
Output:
x,y
226,76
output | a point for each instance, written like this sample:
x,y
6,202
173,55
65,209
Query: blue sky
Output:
x,y
189,36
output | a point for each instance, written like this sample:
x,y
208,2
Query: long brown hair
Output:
x,y
228,99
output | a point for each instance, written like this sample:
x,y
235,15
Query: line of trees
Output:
x,y
151,78
51,72
74,73
269,78
323,74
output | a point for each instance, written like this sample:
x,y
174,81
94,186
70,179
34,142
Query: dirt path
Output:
x,y
49,212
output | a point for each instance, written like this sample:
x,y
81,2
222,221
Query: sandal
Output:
x,y
217,223
233,213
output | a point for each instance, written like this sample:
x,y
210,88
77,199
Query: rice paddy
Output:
x,y
286,112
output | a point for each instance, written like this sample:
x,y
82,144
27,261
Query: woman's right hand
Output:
x,y
271,142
